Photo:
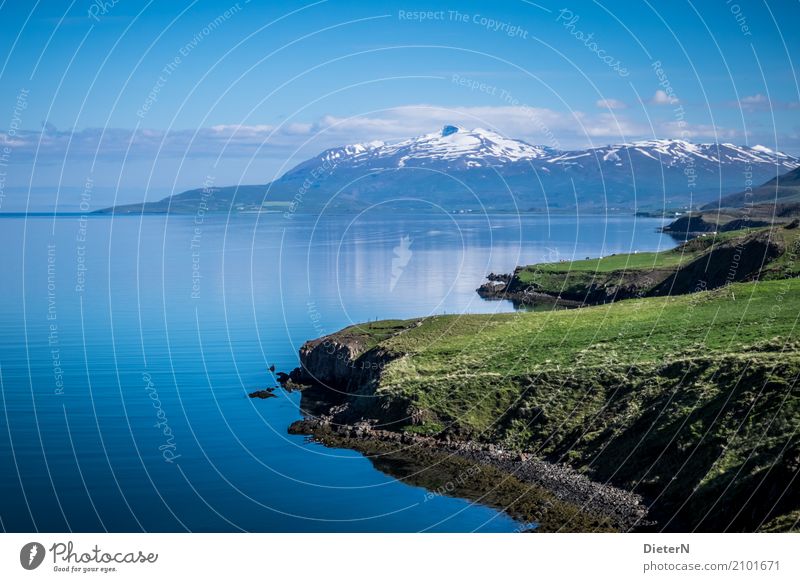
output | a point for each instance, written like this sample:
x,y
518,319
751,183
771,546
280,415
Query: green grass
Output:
x,y
635,331
691,400
788,264
666,259
638,273
701,386
670,259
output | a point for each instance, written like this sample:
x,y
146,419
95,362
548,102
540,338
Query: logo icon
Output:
x,y
31,555
402,255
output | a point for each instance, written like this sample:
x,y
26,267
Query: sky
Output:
x,y
126,100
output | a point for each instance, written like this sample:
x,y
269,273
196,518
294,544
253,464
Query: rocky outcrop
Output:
x,y
340,374
509,287
343,406
692,225
689,225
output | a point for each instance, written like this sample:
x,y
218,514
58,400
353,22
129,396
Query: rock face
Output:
x,y
341,373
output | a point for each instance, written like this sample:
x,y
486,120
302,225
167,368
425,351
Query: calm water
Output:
x,y
172,323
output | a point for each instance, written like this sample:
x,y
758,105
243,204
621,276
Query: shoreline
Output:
x,y
651,412
595,505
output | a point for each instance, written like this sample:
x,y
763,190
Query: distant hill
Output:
x,y
457,169
782,189
774,202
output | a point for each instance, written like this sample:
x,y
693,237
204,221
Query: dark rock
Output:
x,y
689,225
265,393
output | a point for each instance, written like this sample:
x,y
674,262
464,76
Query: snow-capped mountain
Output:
x,y
479,147
453,145
456,168
676,152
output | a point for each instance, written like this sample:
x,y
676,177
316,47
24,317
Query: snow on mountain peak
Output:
x,y
453,144
456,147
672,152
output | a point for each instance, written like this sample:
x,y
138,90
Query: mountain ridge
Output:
x,y
479,169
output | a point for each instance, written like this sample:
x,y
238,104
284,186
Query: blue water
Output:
x,y
124,395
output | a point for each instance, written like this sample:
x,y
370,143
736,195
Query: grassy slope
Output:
x,y
783,189
702,386
636,332
572,278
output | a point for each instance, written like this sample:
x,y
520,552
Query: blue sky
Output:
x,y
150,98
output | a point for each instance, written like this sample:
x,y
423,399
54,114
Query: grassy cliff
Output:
x,y
689,400
706,262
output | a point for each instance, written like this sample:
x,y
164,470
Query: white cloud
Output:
x,y
699,132
760,102
293,141
757,99
660,97
533,124
611,104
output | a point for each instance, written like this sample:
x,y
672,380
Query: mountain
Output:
x,y
776,201
780,190
458,169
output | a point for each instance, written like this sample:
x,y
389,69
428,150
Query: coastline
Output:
x,y
529,489
452,387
